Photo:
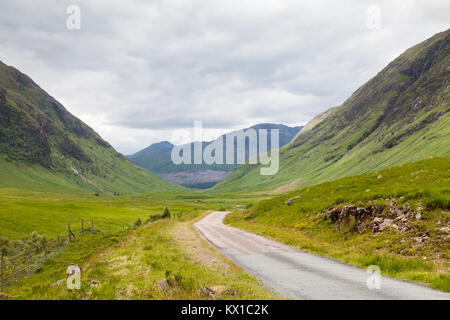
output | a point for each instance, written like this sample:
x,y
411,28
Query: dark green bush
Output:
x,y
166,213
138,223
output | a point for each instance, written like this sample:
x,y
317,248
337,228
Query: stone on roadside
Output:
x,y
95,283
386,223
207,292
221,290
4,296
163,284
289,202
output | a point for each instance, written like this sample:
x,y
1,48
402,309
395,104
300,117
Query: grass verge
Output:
x,y
152,262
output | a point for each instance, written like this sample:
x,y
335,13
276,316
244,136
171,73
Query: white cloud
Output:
x,y
137,71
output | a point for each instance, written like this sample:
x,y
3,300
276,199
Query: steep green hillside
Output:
x,y
44,147
397,218
157,158
399,116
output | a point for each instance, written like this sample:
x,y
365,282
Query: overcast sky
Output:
x,y
138,70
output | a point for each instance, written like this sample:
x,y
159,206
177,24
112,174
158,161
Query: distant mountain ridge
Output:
x,y
399,116
157,159
44,147
159,147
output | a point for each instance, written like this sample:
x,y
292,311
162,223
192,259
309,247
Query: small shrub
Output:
x,y
156,265
154,217
166,213
138,223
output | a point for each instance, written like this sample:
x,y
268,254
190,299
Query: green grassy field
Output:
x,y
130,265
22,212
424,186
420,252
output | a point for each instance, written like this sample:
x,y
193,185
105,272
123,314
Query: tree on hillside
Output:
x,y
138,223
166,213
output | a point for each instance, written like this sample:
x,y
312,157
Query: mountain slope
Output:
x,y
397,218
399,116
157,158
44,147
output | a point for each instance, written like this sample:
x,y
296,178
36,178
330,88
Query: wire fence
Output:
x,y
30,259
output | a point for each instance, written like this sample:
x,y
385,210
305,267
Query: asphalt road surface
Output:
x,y
298,275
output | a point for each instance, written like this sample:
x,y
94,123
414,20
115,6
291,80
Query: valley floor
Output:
x,y
397,219
163,260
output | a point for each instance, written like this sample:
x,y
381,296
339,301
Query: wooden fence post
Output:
x,y
71,234
1,273
45,250
82,227
28,263
92,226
